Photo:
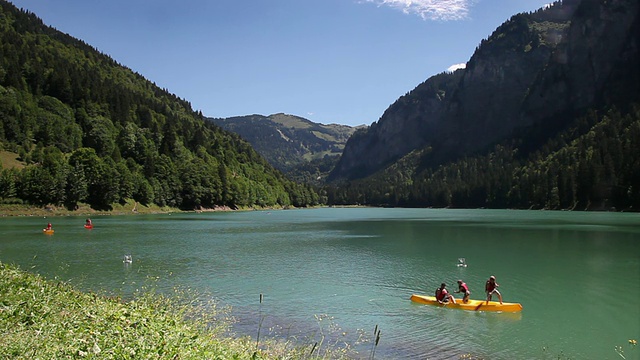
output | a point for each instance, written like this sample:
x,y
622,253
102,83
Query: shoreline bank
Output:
x,y
130,208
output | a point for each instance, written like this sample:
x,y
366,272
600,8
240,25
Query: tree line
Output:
x,y
593,164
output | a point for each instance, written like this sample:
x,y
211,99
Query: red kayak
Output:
x,y
88,226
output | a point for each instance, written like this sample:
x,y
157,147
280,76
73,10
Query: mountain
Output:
x,y
90,130
535,70
531,91
304,150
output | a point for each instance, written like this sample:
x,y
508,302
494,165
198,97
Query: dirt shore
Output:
x,y
129,208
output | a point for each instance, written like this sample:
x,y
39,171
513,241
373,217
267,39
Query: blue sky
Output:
x,y
330,61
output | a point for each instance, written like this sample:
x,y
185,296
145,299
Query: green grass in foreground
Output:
x,y
41,319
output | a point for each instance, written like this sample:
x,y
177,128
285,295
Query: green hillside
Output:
x,y
305,151
92,131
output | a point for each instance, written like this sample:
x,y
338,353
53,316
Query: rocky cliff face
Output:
x,y
534,68
406,125
583,70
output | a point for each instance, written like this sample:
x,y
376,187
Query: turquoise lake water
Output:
x,y
339,273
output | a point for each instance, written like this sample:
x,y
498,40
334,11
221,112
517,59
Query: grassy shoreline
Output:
x,y
47,319
129,208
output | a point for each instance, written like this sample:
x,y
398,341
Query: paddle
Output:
x,y
479,305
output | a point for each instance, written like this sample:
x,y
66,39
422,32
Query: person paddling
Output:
x,y
443,296
491,287
464,289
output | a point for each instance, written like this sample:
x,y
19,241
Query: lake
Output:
x,y
339,273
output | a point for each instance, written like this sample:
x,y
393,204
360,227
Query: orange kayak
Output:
x,y
47,231
473,305
88,226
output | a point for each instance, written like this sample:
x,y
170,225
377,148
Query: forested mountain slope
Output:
x,y
91,130
304,150
544,116
538,69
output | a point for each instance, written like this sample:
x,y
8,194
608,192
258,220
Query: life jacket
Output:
x,y
441,293
490,286
463,288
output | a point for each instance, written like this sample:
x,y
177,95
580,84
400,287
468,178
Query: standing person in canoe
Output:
x,y
464,289
491,287
443,296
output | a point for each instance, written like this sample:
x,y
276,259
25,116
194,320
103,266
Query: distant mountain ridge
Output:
x,y
297,146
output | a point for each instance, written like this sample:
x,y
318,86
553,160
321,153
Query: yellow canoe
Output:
x,y
473,305
47,231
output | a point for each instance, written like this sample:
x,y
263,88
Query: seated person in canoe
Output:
x,y
443,296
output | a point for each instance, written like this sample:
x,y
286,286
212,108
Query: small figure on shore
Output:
x,y
464,289
491,287
443,296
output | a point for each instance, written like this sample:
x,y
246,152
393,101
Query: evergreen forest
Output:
x,y
89,130
591,165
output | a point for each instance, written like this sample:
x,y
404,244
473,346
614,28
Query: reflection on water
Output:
x,y
341,273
